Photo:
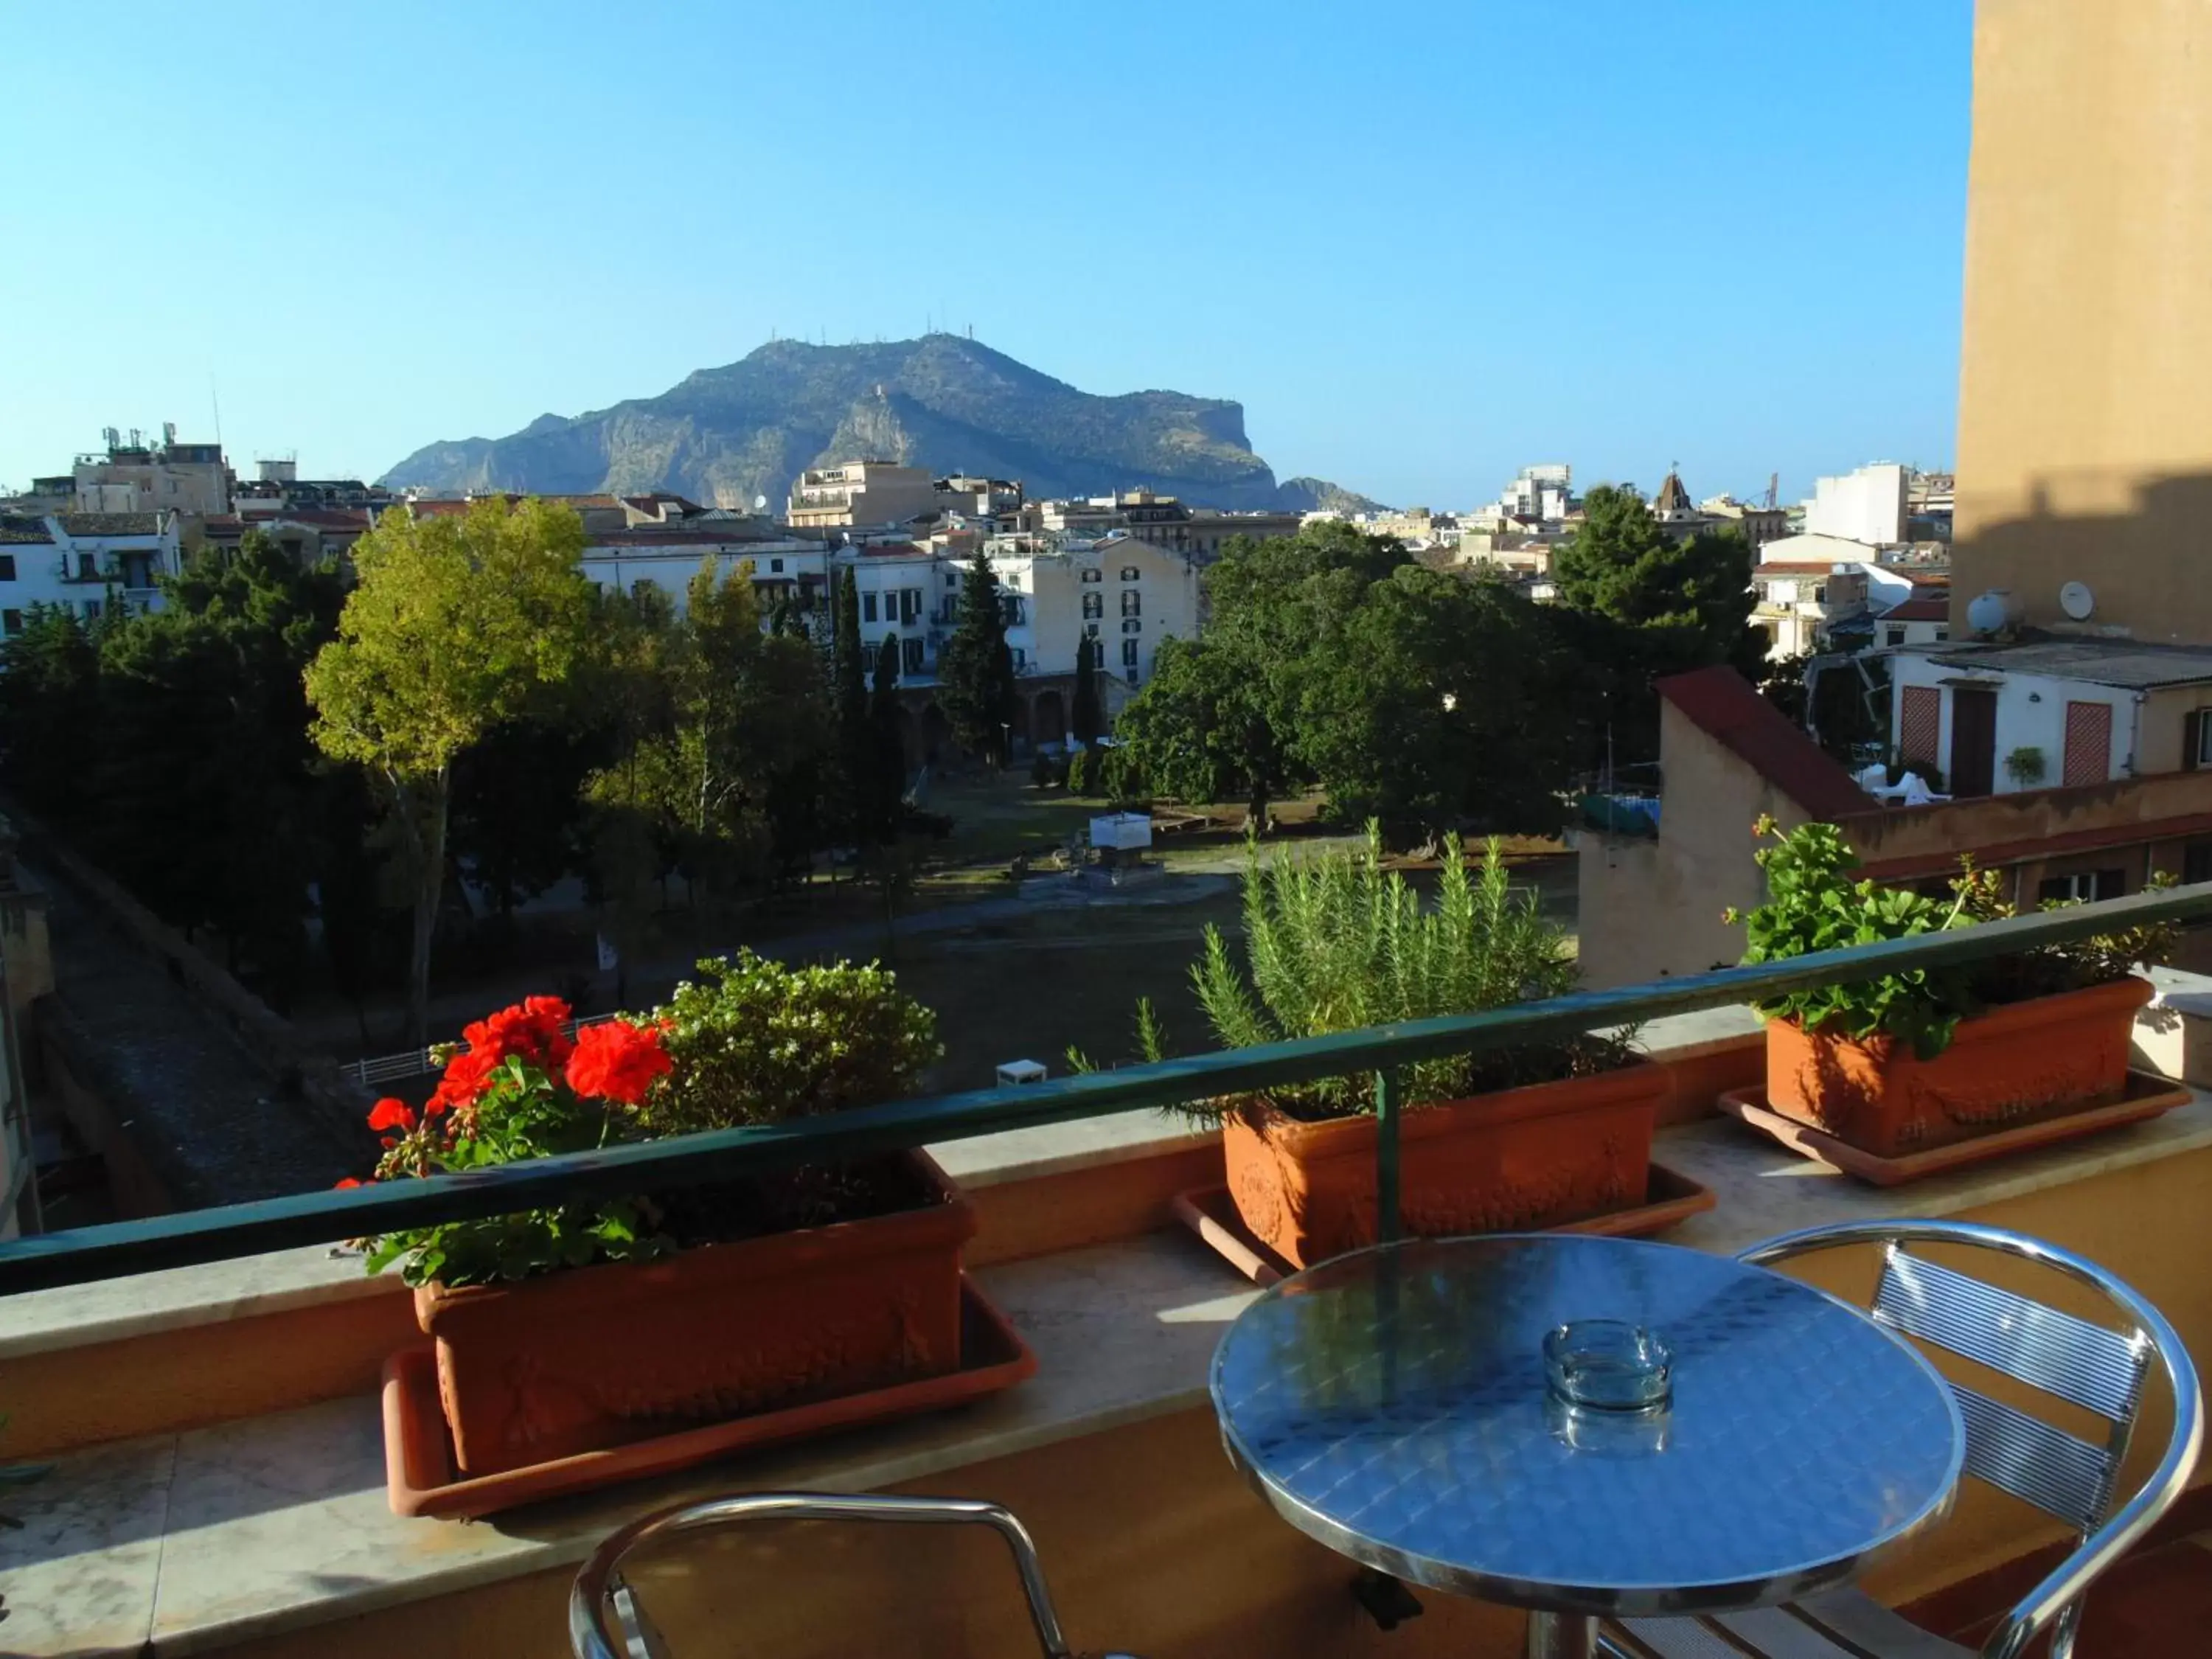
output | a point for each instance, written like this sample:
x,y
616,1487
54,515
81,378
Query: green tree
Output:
x,y
1622,563
1200,730
975,670
222,832
49,716
855,743
456,625
1084,718
886,772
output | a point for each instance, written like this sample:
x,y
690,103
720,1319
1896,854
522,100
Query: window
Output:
x,y
1820,594
1091,630
867,607
2086,885
909,603
775,566
1133,602
1021,659
952,580
2196,856
1093,604
1133,676
2198,724
1132,626
1128,573
1088,575
1943,633
92,609
1129,653
85,569
7,567
11,622
911,651
1894,635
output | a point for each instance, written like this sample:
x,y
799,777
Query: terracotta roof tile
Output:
x,y
1723,704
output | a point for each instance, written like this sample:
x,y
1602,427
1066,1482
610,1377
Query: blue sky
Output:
x,y
1422,244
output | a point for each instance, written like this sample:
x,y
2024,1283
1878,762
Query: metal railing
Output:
x,y
421,1062
86,1253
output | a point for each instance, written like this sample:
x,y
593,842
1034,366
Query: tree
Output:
x,y
456,625
856,742
886,772
49,720
1084,718
1623,564
975,670
1440,703
1200,730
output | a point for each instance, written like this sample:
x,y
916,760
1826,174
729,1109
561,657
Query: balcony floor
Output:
x,y
2157,1602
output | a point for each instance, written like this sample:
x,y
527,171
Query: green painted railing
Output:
x,y
85,1254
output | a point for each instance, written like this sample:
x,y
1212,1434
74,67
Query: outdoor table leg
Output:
x,y
1561,1636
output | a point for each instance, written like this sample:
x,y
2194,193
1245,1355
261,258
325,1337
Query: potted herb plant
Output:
x,y
562,1329
1923,1059
1527,1137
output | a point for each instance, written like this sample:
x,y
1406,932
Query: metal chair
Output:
x,y
606,1622
2093,1366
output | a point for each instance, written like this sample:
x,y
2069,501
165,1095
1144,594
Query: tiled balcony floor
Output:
x,y
2155,1603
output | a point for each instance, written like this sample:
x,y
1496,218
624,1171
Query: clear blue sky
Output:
x,y
1422,244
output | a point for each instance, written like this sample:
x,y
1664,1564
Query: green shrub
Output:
x,y
1080,766
1334,943
1814,904
756,1042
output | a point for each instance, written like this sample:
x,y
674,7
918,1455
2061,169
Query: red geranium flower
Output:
x,y
616,1061
466,1074
391,1115
531,1028
348,1181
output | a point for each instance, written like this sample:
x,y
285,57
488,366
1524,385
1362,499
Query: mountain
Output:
x,y
1305,494
725,435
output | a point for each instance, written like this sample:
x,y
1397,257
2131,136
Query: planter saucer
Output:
x,y
2148,1094
1211,1214
419,1477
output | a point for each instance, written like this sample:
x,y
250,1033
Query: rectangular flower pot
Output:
x,y
1520,1159
2015,1065
593,1357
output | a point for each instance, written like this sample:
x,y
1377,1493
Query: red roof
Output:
x,y
1799,567
1723,705
1919,609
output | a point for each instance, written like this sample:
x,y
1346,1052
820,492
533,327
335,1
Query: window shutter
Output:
x,y
2192,738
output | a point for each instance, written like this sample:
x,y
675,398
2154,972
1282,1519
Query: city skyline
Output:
x,y
1728,239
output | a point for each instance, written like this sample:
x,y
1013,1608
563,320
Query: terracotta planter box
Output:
x,y
1518,1160
597,1355
2015,1064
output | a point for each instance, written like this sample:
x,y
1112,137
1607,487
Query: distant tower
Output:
x,y
1773,489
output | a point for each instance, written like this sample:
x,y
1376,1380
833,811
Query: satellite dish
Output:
x,y
759,502
2077,601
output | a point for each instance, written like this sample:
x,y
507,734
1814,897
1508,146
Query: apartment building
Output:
x,y
860,493
132,475
85,562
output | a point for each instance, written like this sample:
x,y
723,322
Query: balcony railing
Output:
x,y
86,1253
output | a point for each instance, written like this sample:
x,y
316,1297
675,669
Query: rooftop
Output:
x,y
2123,663
1725,706
110,523
15,530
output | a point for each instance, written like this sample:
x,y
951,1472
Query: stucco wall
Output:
x,y
1653,907
2032,715
2085,399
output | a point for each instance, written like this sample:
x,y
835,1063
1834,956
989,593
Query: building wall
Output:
x,y
2032,715
2084,385
1907,839
1867,505
1653,907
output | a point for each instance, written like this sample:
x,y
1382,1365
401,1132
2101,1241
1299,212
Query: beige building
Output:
x,y
857,493
133,476
2085,376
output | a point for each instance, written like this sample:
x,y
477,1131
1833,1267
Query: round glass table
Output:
x,y
1393,1404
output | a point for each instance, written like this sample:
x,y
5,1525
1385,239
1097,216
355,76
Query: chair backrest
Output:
x,y
599,1594
2099,1367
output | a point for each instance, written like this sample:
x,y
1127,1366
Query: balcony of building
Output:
x,y
206,1386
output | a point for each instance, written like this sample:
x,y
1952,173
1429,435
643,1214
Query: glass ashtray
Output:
x,y
1608,1365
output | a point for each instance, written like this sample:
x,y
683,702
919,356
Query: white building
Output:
x,y
84,562
1865,506
783,566
1121,591
1994,718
